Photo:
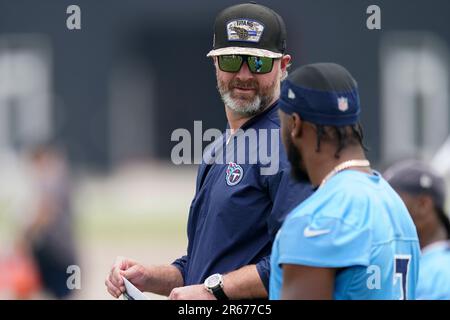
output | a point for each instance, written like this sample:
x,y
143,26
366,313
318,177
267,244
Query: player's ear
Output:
x,y
296,125
285,61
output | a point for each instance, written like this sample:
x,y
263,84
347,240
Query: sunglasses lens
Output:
x,y
230,63
260,64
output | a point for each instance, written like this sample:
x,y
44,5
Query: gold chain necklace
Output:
x,y
344,165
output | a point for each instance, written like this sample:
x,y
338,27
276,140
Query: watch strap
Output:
x,y
219,293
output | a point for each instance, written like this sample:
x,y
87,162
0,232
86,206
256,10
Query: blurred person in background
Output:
x,y
49,233
423,192
19,277
236,210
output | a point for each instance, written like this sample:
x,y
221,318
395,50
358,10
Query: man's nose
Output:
x,y
244,73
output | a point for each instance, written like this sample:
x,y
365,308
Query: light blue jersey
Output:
x,y
434,275
358,224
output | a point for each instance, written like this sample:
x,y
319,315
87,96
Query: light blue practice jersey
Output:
x,y
434,274
358,224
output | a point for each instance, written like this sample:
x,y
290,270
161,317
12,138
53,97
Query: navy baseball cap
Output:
x,y
323,94
415,177
249,29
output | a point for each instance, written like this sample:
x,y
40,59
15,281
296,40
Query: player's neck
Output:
x,y
324,162
235,120
436,235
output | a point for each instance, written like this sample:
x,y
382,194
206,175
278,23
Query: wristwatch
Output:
x,y
214,284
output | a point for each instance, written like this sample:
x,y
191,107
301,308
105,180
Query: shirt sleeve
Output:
x,y
181,264
285,193
263,268
324,242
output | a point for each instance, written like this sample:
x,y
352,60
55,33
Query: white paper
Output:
x,y
133,292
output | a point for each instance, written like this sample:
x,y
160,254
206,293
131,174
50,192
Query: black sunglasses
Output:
x,y
257,65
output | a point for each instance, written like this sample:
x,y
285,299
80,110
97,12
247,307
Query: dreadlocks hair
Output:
x,y
344,136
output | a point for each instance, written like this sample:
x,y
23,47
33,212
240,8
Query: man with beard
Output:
x,y
237,209
353,238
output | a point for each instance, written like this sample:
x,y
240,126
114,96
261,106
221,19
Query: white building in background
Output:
x,y
415,101
25,90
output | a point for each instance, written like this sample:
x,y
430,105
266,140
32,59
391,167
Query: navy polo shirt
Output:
x,y
236,210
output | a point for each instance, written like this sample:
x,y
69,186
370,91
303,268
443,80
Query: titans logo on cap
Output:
x,y
244,30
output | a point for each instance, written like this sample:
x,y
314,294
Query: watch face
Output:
x,y
213,281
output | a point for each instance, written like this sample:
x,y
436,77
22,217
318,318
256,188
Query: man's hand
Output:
x,y
136,273
195,292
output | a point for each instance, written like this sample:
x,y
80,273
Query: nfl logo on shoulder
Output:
x,y
342,104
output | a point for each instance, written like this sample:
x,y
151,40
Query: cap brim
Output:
x,y
243,50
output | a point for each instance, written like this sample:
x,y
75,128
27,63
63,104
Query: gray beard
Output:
x,y
259,104
246,108
250,109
